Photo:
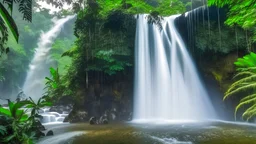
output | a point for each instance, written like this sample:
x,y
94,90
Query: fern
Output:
x,y
250,100
246,82
25,7
249,113
244,87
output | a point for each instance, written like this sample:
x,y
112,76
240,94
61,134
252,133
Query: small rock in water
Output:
x,y
49,133
105,121
92,121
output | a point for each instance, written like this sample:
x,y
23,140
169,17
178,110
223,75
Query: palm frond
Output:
x,y
9,22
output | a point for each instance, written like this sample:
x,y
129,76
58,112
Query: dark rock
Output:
x,y
61,108
38,125
49,133
92,121
39,134
77,116
105,121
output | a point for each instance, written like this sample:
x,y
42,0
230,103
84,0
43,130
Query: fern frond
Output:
x,y
240,89
244,73
242,81
248,97
249,113
25,7
246,69
246,102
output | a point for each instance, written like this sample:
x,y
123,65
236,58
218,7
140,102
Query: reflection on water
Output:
x,y
211,132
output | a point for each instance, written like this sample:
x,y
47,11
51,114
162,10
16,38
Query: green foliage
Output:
x,y
108,62
54,86
241,12
245,84
248,62
16,125
24,7
6,18
14,65
164,7
58,48
210,39
53,83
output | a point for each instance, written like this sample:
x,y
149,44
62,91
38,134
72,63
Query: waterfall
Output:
x,y
39,66
167,84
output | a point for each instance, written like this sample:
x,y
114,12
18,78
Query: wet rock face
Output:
x,y
61,108
113,100
77,116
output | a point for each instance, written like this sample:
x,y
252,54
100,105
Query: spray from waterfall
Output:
x,y
167,85
39,66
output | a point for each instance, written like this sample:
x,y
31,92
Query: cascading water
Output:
x,y
39,67
167,86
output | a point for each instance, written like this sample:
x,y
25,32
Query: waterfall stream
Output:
x,y
39,68
40,64
167,84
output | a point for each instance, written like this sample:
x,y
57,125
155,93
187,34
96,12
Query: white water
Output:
x,y
167,85
40,64
62,138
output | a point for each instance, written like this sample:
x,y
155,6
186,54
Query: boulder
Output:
x,y
105,121
49,133
77,116
93,121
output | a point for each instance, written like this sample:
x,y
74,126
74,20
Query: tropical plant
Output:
x,y
245,85
16,123
17,126
7,22
55,80
54,88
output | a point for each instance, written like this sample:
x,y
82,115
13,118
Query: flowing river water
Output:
x,y
211,132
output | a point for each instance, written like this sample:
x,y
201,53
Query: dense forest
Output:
x,y
92,62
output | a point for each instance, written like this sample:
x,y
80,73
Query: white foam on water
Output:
x,y
169,140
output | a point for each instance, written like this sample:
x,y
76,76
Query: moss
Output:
x,y
222,70
217,76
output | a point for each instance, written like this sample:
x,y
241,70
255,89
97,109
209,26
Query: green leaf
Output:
x,y
6,112
2,130
9,21
9,138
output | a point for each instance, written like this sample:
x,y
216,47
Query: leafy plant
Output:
x,y
17,125
25,7
241,12
55,80
245,85
54,87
